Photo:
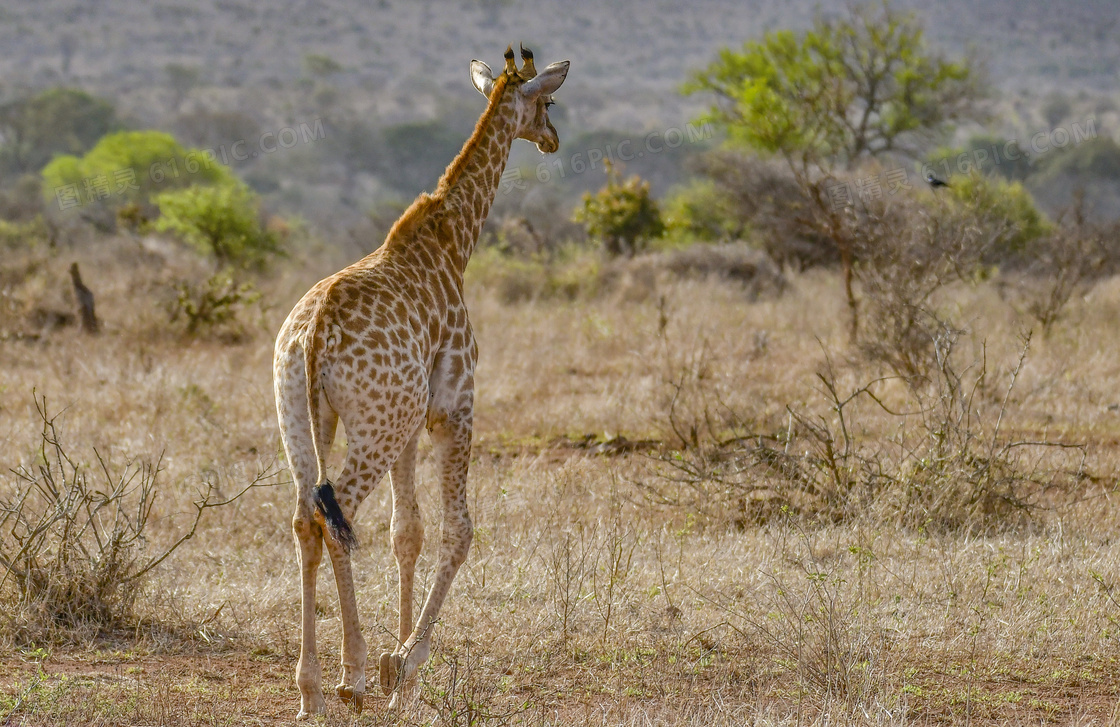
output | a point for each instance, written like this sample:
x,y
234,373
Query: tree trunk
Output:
x,y
853,307
84,296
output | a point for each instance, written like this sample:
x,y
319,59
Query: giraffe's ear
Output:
x,y
547,81
482,77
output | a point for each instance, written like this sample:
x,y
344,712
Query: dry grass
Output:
x,y
584,600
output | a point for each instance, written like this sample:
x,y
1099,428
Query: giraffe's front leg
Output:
x,y
309,678
451,440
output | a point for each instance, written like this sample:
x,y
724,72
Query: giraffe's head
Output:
x,y
529,92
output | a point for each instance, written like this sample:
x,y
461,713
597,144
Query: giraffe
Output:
x,y
385,346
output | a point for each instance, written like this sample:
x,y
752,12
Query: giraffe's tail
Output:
x,y
322,495
337,524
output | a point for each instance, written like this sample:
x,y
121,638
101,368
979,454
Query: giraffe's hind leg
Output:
x,y
451,440
309,676
295,430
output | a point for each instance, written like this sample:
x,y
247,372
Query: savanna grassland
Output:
x,y
744,453
677,522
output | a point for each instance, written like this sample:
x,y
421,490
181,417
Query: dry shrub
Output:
x,y
215,307
574,274
570,274
463,688
816,628
74,540
569,561
769,200
1062,265
517,236
906,252
939,458
735,261
22,288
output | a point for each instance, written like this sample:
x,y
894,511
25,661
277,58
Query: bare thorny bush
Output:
x,y
936,456
813,623
588,564
464,688
905,253
75,539
1064,264
898,251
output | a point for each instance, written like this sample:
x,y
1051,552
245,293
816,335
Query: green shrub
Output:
x,y
127,167
320,65
24,234
985,153
703,211
220,221
622,215
1006,209
214,305
1093,158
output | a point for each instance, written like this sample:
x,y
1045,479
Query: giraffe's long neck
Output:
x,y
471,182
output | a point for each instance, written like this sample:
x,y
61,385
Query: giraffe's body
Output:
x,y
386,347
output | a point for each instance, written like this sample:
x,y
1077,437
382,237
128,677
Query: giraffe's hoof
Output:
x,y
312,706
390,667
351,697
310,713
351,694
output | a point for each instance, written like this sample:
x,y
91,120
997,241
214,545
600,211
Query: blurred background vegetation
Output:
x,y
786,129
387,81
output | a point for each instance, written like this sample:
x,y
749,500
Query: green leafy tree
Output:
x,y
56,121
622,215
220,221
861,86
127,168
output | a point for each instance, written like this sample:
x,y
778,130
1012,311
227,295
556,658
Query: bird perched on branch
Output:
x,y
935,182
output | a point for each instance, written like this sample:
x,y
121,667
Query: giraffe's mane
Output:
x,y
426,202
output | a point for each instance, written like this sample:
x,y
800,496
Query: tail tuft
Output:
x,y
341,531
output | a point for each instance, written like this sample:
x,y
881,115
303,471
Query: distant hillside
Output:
x,y
217,71
628,55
